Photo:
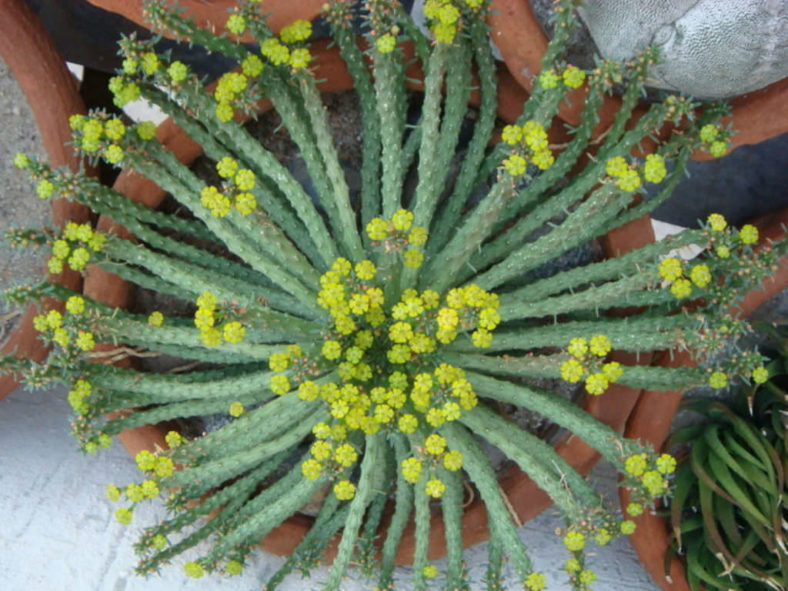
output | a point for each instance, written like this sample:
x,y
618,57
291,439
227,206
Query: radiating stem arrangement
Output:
x,y
364,340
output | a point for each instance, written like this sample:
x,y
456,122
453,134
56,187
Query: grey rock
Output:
x,y
710,49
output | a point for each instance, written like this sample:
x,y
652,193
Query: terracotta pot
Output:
x,y
526,499
52,94
757,116
213,15
651,419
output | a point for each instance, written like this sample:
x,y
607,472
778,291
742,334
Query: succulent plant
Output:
x,y
728,513
360,341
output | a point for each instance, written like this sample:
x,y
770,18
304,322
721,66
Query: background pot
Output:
x,y
51,92
757,116
526,499
651,419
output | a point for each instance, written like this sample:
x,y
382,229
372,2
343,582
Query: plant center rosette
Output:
x,y
361,340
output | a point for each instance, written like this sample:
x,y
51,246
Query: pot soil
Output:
x,y
653,414
526,499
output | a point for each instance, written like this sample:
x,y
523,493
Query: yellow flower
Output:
x,y
233,332
386,43
280,384
344,490
413,258
236,409
574,541
435,444
453,460
700,275
156,319
748,234
435,488
597,383
600,345
577,347
716,222
311,469
515,165
681,288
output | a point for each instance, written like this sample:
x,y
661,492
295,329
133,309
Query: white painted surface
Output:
x,y
58,531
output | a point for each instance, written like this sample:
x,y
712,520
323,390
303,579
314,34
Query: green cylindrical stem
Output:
x,y
421,503
594,298
442,270
563,162
259,424
549,471
371,467
560,411
241,488
533,366
562,201
213,139
482,132
228,235
309,548
627,334
266,511
451,508
348,229
261,236
177,410
403,505
575,229
362,83
215,472
171,388
426,196
477,466
389,103
613,268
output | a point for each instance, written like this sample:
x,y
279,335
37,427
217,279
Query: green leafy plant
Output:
x,y
360,341
728,513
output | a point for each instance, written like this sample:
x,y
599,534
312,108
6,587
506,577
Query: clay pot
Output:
x,y
526,499
651,419
52,94
213,15
757,116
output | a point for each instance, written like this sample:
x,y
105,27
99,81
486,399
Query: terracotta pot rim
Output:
x,y
654,412
518,35
525,497
52,94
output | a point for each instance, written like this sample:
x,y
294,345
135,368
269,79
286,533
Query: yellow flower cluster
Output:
x,y
234,191
627,179
672,271
97,132
160,465
586,364
389,378
651,472
205,320
712,142
278,53
530,142
75,247
397,234
444,19
61,329
80,391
